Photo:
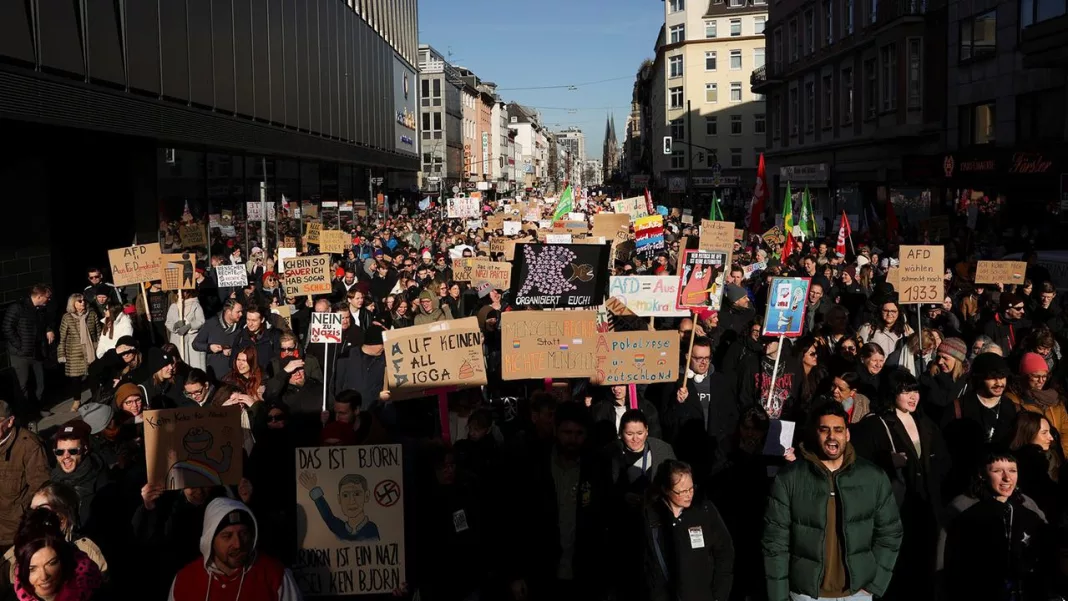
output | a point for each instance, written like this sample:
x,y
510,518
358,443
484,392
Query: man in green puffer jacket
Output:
x,y
832,529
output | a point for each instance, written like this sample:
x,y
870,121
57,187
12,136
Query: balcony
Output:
x,y
763,79
1045,44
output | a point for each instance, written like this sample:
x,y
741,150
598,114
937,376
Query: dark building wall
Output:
x,y
279,73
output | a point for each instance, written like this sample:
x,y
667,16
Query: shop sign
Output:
x,y
805,174
1029,162
676,184
724,181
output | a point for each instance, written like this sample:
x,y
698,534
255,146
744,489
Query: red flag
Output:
x,y
843,233
649,203
788,248
891,220
760,196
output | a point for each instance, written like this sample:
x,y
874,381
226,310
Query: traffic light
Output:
x,y
667,144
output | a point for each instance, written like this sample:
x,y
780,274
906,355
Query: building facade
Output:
x,y
532,147
442,119
701,99
610,151
855,90
574,142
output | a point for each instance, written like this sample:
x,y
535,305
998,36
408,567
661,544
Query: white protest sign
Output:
x,y
647,295
326,328
232,276
286,253
350,520
558,238
254,211
512,228
463,207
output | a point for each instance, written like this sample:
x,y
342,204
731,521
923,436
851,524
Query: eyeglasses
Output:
x,y
1017,307
701,359
95,277
686,491
889,311
71,452
190,393
1039,377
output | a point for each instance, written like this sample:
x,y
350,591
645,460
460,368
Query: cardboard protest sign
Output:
x,y
559,275
284,253
717,235
512,228
570,227
135,264
607,224
334,241
785,315
350,520
749,270
739,234
638,357
497,273
460,208
194,446
557,238
922,274
444,353
307,275
893,277
649,235
325,328
702,280
312,232
495,222
647,295
505,246
193,235
179,271
774,235
286,313
1000,272
232,276
634,206
548,344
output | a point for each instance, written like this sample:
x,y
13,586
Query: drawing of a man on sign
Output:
x,y
352,494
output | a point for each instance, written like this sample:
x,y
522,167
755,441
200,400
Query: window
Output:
x,y
736,125
711,126
425,89
1036,11
437,93
810,32
678,159
711,92
675,95
828,102
675,66
810,106
777,57
760,2
760,124
736,60
736,157
847,18
437,126
978,37
888,80
847,96
869,88
710,61
758,58
736,27
735,3
678,34
792,117
677,5
794,42
874,11
915,77
426,127
710,29
736,91
776,117
758,24
678,129
828,22
977,124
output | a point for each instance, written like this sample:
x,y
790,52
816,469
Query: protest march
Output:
x,y
583,397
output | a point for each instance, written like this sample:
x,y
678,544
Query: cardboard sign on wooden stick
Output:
x,y
194,447
135,264
179,271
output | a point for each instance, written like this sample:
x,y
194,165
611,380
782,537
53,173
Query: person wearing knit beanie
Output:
x,y
955,348
1033,363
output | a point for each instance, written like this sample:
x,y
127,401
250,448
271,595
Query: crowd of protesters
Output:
x,y
926,462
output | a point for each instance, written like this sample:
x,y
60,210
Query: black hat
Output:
x,y
373,336
127,341
157,360
989,365
237,517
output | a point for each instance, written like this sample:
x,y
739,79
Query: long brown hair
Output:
x,y
1028,423
251,384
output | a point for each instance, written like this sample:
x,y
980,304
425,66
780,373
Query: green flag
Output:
x,y
564,206
807,225
715,213
788,212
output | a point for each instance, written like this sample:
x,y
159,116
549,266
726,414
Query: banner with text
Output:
x,y
136,264
307,275
548,344
444,353
463,208
194,447
1000,272
559,275
232,276
922,275
647,295
701,282
649,235
638,357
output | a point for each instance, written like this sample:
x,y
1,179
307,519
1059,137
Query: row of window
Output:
x,y
678,126
676,69
678,158
804,42
676,6
879,92
677,33
677,95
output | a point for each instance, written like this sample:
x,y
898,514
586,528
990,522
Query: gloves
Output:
x,y
182,331
178,325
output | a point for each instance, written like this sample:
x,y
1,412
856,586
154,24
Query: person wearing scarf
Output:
x,y
1029,393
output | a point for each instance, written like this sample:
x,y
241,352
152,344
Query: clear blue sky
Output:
x,y
532,43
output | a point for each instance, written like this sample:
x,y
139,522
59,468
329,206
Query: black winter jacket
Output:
x,y
24,327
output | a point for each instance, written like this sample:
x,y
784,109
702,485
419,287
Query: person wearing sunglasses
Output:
x,y
76,467
1008,327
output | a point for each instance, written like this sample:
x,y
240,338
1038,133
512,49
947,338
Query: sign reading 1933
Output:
x,y
922,274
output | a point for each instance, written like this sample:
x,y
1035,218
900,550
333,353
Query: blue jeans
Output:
x,y
853,597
